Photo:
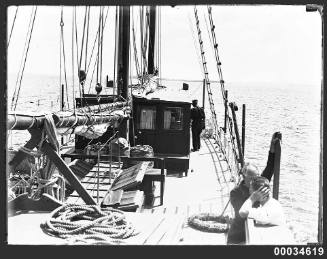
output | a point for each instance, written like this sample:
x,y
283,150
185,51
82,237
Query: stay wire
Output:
x,y
141,40
77,58
137,65
64,53
95,41
115,51
12,27
194,43
73,69
60,69
28,46
22,60
87,36
83,35
99,39
101,45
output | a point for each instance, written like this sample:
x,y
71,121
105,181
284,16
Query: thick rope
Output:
x,y
89,224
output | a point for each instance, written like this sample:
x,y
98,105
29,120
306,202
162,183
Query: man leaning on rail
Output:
x,y
236,233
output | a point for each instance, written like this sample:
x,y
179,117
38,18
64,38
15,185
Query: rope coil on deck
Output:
x,y
209,222
89,224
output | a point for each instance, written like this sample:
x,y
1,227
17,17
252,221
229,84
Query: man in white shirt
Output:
x,y
260,206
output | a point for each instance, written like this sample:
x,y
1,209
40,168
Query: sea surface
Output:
x,y
294,110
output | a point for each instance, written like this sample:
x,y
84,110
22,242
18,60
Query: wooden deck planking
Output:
x,y
198,192
204,190
156,237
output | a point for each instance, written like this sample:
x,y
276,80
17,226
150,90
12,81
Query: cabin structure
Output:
x,y
165,126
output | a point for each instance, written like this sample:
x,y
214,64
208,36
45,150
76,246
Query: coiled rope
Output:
x,y
89,224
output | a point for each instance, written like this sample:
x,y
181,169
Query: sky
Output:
x,y
272,44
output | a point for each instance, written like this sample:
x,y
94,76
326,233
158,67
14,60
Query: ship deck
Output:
x,y
205,189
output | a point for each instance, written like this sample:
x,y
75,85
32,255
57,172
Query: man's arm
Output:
x,y
271,214
269,170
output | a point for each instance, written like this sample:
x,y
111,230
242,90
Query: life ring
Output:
x,y
209,222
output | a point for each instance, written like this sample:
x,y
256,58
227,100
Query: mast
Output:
x,y
123,51
152,35
123,58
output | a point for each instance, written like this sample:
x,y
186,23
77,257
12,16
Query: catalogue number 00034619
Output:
x,y
294,250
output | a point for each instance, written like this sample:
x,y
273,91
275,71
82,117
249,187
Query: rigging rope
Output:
x,y
145,42
101,45
115,54
221,81
159,42
77,59
12,27
99,42
87,36
23,62
194,43
95,65
95,41
218,62
141,39
73,67
63,51
82,47
217,135
137,65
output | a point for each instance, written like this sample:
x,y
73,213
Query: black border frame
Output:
x,y
198,251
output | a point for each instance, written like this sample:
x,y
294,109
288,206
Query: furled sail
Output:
x,y
66,121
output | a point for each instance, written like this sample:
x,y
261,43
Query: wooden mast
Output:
x,y
123,51
123,58
152,36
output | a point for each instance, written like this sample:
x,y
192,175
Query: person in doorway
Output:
x,y
197,124
260,206
236,233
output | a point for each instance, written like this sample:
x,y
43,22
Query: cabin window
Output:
x,y
173,118
147,118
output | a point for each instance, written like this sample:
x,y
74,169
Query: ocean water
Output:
x,y
292,110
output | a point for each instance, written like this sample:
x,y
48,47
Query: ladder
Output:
x,y
222,156
223,92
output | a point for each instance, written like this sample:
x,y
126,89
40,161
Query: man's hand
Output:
x,y
277,136
260,195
